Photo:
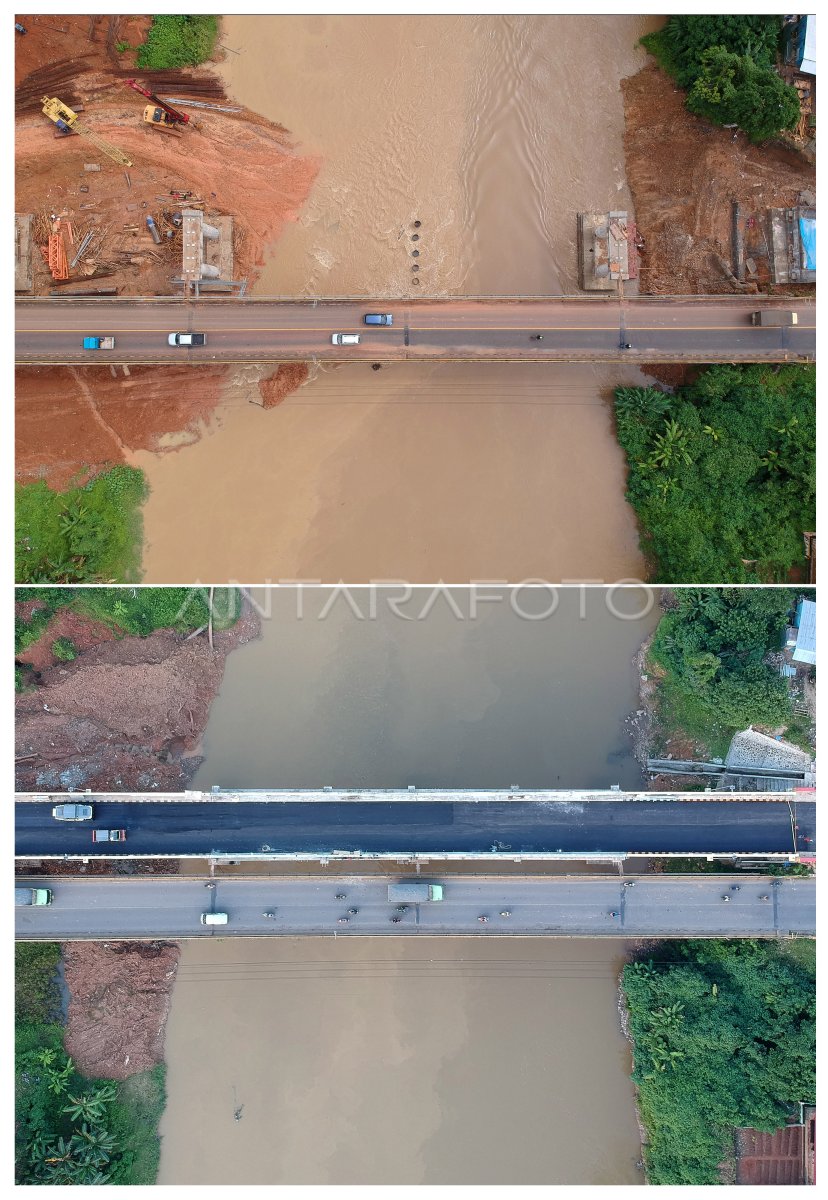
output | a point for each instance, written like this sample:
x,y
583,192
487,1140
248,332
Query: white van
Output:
x,y
214,918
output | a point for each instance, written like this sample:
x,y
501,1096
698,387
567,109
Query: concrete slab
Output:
x,y
23,277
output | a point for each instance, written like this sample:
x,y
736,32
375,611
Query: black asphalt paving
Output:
x,y
320,827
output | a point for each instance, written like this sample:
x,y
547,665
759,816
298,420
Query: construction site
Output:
x,y
138,186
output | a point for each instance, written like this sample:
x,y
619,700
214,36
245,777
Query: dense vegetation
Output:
x,y
710,649
137,611
69,1129
722,474
88,534
726,64
178,42
724,1035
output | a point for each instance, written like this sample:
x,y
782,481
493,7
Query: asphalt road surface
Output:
x,y
318,827
658,329
168,907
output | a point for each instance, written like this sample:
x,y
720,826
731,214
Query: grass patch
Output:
x,y
724,1038
178,42
141,611
133,1121
36,994
64,650
88,534
680,711
28,630
136,611
802,951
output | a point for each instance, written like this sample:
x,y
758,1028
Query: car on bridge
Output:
x,y
108,835
72,812
378,319
187,339
345,339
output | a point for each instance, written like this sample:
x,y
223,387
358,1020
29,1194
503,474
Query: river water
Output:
x,y
447,691
452,1061
377,1061
492,132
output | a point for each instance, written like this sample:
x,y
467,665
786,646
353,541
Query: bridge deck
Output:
x,y
657,329
390,825
655,906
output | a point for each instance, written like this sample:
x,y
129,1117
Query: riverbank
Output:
x,y
91,1118
712,1054
81,420
107,710
685,174
704,675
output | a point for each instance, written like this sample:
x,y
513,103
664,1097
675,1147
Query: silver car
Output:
x,y
72,812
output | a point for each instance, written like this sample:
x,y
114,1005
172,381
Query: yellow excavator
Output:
x,y
67,120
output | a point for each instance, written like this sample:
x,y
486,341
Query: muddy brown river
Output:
x,y
449,1061
373,1061
452,689
492,132
455,1061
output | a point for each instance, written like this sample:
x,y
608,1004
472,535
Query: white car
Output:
x,y
345,339
72,812
187,339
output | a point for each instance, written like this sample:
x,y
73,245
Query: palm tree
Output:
x,y
87,1107
640,404
670,446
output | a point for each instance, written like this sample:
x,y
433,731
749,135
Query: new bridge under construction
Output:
x,y
409,825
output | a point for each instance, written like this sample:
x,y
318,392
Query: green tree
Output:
x,y
732,90
724,508
724,1037
726,63
681,44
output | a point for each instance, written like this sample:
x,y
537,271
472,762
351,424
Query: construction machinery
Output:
x,y
158,119
67,121
160,114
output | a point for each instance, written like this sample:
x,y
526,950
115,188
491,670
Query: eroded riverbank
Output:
x,y
117,712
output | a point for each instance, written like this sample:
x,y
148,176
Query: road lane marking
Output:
x,y
439,329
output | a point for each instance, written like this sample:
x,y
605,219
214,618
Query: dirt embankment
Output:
x,y
643,724
73,422
237,164
119,1000
684,175
125,715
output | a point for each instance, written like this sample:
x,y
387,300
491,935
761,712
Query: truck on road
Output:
x,y
99,343
774,316
414,893
108,835
37,897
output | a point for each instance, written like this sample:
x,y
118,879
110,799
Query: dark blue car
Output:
x,y
378,319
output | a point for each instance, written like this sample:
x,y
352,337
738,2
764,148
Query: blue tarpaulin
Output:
x,y
807,233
